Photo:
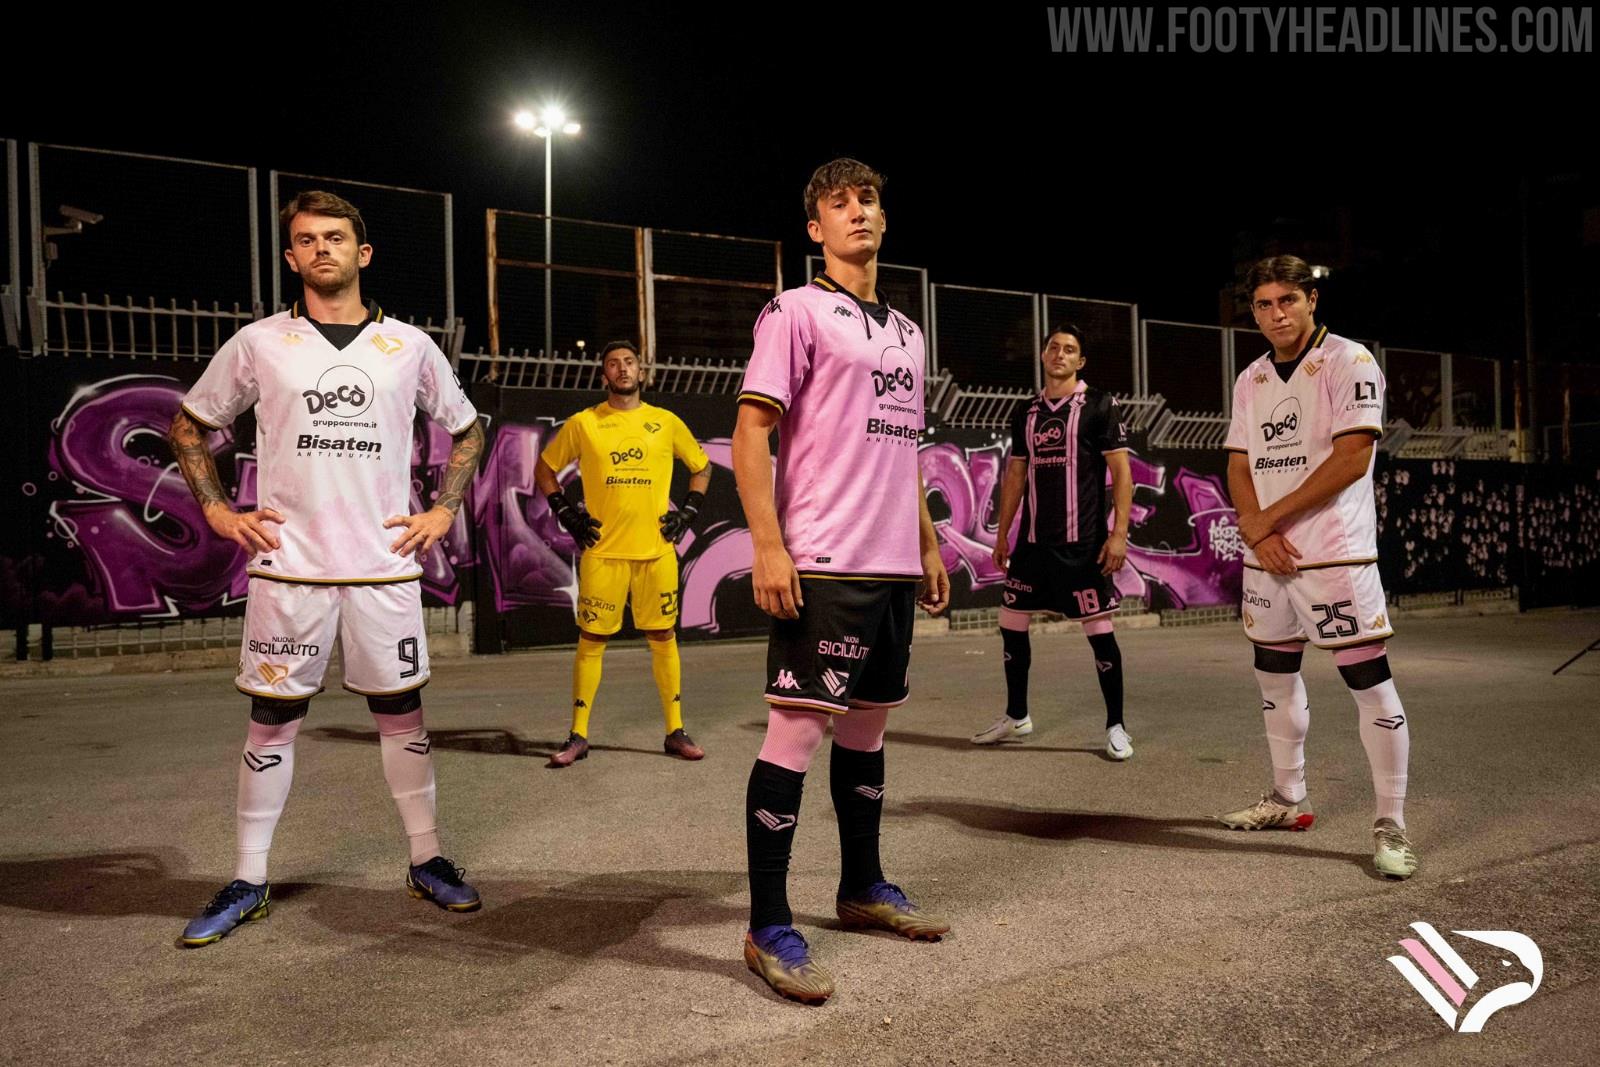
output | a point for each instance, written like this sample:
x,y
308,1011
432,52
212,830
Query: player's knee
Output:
x,y
268,711
1096,627
264,735
398,704
1278,660
591,638
1364,667
661,636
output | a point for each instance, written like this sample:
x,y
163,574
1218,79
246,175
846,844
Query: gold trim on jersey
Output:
x,y
291,580
1241,451
822,281
1279,641
1370,639
279,696
1320,566
187,411
763,398
386,692
1376,431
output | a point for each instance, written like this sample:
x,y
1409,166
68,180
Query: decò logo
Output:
x,y
344,391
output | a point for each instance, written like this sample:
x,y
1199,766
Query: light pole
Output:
x,y
550,119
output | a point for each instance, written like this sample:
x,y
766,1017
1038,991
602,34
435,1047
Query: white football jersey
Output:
x,y
333,437
1286,429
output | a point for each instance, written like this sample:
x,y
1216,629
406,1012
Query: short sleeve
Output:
x,y
686,448
1238,429
563,448
782,354
1358,387
439,392
1114,431
227,387
1019,432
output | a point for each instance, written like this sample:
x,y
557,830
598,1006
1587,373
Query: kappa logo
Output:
x,y
1376,623
294,339
774,822
786,681
835,681
1260,378
870,792
773,305
420,748
1363,357
579,703
260,763
387,345
840,309
1390,722
1448,989
272,673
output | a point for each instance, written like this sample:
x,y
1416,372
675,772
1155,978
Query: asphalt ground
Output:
x,y
1100,915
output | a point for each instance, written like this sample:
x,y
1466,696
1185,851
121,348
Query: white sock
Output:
x,y
265,774
1288,718
408,768
1386,736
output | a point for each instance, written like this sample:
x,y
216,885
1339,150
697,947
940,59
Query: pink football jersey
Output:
x,y
851,393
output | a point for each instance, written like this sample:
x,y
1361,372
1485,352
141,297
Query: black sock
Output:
x,y
856,781
1018,652
771,809
1108,665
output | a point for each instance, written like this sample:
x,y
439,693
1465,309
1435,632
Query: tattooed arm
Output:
x,y
246,529
423,531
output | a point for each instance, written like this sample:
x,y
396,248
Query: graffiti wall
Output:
x,y
102,528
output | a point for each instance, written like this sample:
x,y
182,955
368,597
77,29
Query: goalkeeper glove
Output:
x,y
674,524
584,527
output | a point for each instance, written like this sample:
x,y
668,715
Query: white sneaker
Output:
x,y
1005,728
1119,745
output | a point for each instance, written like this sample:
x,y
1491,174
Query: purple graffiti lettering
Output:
x,y
430,454
529,556
1207,570
147,543
967,480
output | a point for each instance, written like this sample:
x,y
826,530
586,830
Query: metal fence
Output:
x,y
703,293
412,273
11,285
1110,341
114,222
1192,429
1190,365
579,372
988,336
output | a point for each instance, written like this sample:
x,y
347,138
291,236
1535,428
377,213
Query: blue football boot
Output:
x,y
439,880
235,903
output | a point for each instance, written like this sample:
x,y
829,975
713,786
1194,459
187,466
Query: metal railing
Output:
x,y
1193,429
980,409
1141,412
710,377
84,327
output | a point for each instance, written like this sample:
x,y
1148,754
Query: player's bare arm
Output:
x,y
246,529
773,575
1352,455
424,530
1115,551
934,591
1016,477
700,480
1274,552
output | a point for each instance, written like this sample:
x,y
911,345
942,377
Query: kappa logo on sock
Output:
x,y
579,703
1391,722
870,792
786,681
1449,987
1103,665
260,763
774,822
420,748
835,681
677,698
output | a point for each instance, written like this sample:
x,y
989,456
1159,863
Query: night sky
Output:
x,y
1133,177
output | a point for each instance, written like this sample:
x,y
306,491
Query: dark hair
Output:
x,y
842,173
1285,270
318,202
612,346
1066,327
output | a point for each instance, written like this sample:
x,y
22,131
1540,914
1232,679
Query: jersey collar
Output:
x,y
374,312
1286,371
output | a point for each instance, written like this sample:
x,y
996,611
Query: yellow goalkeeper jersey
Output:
x,y
625,460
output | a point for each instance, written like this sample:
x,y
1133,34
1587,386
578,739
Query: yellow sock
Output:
x,y
664,664
585,682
